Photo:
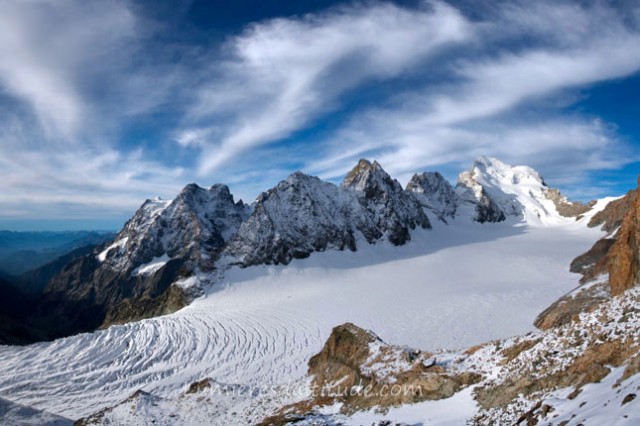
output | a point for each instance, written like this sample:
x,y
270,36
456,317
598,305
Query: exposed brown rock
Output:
x,y
567,208
512,352
610,218
567,309
590,367
595,262
199,386
360,371
146,306
628,398
624,256
633,368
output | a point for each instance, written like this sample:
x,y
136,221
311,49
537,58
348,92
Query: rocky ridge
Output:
x,y
303,214
624,254
568,373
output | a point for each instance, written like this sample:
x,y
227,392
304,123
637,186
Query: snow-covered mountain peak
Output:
x,y
494,171
512,191
193,225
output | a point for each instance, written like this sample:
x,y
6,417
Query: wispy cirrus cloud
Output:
x,y
284,73
52,50
70,79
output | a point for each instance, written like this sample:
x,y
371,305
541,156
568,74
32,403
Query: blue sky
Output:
x,y
106,103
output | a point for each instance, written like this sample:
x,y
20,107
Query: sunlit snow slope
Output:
x,y
450,287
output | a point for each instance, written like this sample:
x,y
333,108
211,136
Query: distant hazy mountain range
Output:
x,y
24,251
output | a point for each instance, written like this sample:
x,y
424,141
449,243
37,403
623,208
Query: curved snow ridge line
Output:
x,y
78,376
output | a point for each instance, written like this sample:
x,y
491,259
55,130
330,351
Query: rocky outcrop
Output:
x,y
435,194
568,308
624,255
358,370
565,207
566,357
593,263
597,264
610,218
517,380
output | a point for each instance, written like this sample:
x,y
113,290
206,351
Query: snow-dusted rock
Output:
x,y
386,210
300,215
303,214
194,226
433,191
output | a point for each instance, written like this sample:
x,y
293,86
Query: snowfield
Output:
x,y
450,287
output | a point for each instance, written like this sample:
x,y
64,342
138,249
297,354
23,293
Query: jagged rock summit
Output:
x,y
303,214
434,193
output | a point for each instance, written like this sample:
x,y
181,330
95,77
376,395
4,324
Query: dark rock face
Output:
x,y
303,214
15,307
624,256
386,209
110,285
297,217
434,193
594,262
33,282
194,227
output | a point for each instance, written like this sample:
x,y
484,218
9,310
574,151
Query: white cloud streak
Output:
x,y
286,72
47,49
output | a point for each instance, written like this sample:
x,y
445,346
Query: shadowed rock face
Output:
x,y
624,256
470,191
593,263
